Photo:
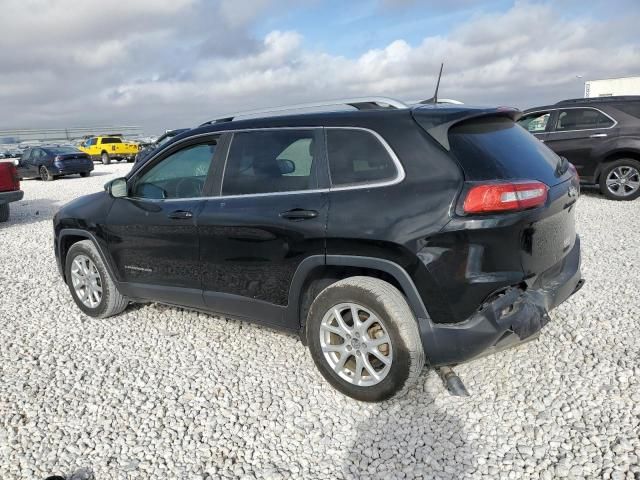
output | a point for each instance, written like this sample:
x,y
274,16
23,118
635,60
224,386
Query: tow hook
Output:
x,y
452,382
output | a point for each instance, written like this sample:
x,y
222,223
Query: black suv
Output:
x,y
600,136
388,238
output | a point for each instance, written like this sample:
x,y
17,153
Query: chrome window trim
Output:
x,y
615,122
400,173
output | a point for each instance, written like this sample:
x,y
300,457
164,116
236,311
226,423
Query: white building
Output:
x,y
612,86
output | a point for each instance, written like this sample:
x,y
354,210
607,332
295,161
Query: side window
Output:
x,y
270,161
535,122
180,175
356,157
26,156
582,119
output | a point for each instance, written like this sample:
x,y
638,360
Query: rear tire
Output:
x,y
620,180
45,174
4,212
84,282
106,160
85,174
387,369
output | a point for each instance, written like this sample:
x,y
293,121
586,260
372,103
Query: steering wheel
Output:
x,y
189,187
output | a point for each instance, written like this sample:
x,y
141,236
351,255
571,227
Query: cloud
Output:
x,y
180,62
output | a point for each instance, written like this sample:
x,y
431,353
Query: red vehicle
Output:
x,y
9,188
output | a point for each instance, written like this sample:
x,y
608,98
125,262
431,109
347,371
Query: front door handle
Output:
x,y
598,135
299,214
180,215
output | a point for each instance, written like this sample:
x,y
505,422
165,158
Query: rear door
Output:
x,y
577,132
26,168
270,215
153,234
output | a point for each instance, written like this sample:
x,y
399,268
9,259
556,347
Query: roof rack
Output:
x,y
362,103
613,98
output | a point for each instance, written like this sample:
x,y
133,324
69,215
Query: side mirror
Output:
x,y
117,188
286,166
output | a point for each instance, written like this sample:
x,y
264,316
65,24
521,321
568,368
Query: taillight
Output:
x,y
9,179
504,197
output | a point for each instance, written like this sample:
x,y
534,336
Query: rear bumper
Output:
x,y
71,169
8,197
517,312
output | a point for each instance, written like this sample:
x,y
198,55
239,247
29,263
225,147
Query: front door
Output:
x,y
271,215
577,133
153,233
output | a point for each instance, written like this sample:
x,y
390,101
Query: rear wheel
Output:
x,y
90,284
364,339
620,180
106,160
4,212
45,174
85,174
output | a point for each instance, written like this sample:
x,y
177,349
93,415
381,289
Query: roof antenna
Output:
x,y
434,99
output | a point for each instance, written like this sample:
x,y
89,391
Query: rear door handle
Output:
x,y
180,215
299,214
598,135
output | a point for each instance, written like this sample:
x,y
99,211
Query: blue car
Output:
x,y
48,163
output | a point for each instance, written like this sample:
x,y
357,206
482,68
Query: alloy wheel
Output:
x,y
86,281
356,344
623,181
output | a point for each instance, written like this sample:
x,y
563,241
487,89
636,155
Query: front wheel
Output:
x,y
90,284
85,174
106,160
364,339
620,180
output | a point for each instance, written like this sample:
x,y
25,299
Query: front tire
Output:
x,y
364,339
620,180
45,174
104,157
85,174
90,284
4,212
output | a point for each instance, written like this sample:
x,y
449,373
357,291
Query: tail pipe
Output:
x,y
452,382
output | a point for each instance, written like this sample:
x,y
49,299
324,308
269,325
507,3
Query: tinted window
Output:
x,y
270,161
62,150
180,175
357,156
581,119
111,140
535,122
496,148
26,155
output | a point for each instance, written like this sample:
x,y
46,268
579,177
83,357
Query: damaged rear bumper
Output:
x,y
515,316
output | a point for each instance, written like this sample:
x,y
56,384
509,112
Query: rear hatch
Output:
x,y
492,149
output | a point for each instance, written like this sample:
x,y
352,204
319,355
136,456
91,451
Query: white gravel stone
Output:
x,y
160,392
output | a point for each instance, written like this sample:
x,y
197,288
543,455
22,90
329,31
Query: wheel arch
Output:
x,y
318,272
68,237
613,156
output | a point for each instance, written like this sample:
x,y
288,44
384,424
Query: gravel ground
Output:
x,y
160,392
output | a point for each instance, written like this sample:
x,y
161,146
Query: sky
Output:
x,y
165,64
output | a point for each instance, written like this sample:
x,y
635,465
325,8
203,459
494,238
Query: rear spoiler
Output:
x,y
438,119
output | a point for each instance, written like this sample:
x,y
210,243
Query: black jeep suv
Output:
x,y
600,136
388,238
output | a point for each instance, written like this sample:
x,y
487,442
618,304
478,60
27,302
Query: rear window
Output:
x,y
356,157
496,148
111,140
62,150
